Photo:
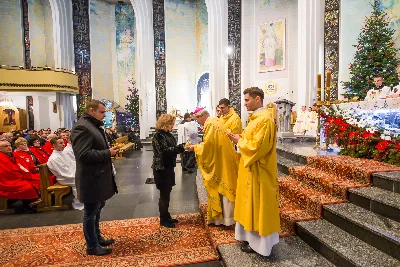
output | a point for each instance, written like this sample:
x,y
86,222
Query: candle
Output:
x,y
319,80
328,79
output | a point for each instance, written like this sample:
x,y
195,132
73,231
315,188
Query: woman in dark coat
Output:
x,y
164,161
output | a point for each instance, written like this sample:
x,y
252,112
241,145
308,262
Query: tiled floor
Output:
x,y
135,199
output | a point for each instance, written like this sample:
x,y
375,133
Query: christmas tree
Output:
x,y
132,106
375,55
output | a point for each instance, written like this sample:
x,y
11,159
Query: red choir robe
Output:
x,y
40,154
48,147
25,159
16,183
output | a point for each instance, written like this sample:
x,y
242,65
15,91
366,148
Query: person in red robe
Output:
x,y
24,156
48,147
15,183
64,135
34,146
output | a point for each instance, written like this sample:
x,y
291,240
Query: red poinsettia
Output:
x,y
367,134
382,145
398,146
353,134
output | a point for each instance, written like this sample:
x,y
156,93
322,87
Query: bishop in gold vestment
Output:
x,y
257,204
217,161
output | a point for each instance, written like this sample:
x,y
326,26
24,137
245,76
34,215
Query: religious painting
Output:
x,y
271,46
8,117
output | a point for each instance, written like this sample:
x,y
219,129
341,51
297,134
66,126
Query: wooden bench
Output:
x,y
124,145
48,191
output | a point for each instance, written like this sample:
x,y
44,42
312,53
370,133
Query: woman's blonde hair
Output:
x,y
19,141
164,121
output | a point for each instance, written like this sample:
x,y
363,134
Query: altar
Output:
x,y
381,113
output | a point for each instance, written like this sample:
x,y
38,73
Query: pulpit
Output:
x,y
284,111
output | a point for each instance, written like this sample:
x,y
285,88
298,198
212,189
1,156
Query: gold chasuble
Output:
x,y
232,122
217,161
257,204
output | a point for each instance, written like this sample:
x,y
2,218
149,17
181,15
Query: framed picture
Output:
x,y
271,46
54,107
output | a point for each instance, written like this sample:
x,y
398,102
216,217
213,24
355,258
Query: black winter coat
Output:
x,y
94,179
165,150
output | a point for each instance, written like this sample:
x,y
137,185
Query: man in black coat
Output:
x,y
95,181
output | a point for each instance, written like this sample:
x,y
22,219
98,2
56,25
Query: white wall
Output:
x,y
258,12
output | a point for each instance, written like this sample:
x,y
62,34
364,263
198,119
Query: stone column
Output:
x,y
217,45
310,49
145,79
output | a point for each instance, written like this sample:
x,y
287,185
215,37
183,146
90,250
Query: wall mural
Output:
x,y
27,42
159,56
274,4
271,46
234,61
202,65
80,17
331,40
125,27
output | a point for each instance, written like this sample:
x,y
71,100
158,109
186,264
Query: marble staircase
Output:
x,y
363,231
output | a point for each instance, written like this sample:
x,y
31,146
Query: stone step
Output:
x,y
387,180
290,251
340,247
284,164
377,200
283,151
378,231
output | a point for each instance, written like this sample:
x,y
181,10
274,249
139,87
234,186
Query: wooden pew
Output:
x,y
47,191
4,206
124,145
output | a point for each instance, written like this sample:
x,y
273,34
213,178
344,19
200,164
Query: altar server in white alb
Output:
x,y
396,90
379,91
64,168
301,121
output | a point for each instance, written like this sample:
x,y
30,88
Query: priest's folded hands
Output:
x,y
234,137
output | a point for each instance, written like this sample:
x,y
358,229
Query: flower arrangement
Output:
x,y
360,136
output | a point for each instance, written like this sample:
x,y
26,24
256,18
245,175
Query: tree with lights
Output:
x,y
375,55
132,106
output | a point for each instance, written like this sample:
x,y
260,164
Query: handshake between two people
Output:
x,y
233,137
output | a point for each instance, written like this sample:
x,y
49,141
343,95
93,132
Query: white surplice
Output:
x,y
188,131
64,169
69,152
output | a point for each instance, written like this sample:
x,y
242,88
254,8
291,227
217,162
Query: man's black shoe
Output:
x,y
247,249
104,243
168,224
173,220
98,251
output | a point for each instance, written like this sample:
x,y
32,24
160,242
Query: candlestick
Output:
x,y
319,80
328,78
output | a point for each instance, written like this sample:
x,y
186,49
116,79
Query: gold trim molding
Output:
x,y
12,80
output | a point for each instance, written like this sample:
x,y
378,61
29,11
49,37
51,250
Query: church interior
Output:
x,y
329,76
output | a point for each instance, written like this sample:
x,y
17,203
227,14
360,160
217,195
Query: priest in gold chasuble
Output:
x,y
218,164
230,119
257,204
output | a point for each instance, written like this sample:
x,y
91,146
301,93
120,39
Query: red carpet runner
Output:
x,y
139,242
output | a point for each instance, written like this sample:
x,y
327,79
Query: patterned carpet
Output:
x,y
139,242
324,180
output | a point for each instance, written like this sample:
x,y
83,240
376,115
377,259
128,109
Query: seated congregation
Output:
x,y
38,169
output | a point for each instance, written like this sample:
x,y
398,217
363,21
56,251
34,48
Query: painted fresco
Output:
x,y
125,28
392,7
